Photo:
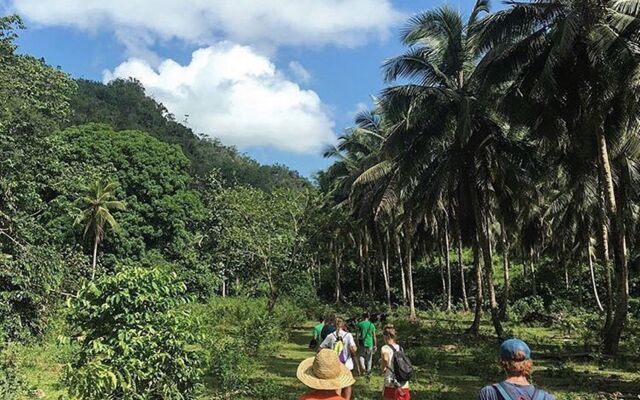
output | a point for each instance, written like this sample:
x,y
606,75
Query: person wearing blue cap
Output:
x,y
515,360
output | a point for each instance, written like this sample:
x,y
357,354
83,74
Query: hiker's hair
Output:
x,y
330,318
322,318
340,323
519,365
390,332
366,315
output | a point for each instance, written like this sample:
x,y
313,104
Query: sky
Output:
x,y
279,79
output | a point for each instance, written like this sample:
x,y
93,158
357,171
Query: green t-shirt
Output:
x,y
367,330
317,331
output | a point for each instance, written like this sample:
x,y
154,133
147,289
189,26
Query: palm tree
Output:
x,y
571,61
445,135
95,212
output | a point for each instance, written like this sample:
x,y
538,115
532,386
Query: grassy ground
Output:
x,y
450,364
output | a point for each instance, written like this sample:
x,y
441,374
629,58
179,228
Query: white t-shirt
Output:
x,y
389,379
347,340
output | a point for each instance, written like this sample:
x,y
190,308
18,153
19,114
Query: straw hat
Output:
x,y
324,372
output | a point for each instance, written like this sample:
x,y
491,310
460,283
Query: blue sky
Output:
x,y
260,77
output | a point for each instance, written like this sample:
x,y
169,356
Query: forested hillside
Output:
x,y
123,104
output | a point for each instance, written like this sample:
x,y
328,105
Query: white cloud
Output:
x,y
299,72
258,22
233,93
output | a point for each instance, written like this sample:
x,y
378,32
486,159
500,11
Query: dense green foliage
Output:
x,y
497,174
132,342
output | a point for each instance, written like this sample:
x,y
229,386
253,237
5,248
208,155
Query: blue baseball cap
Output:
x,y
510,349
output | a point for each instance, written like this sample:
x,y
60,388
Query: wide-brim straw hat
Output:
x,y
324,372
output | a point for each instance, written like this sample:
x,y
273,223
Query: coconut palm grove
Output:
x,y
491,191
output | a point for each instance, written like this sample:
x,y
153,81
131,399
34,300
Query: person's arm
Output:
x,y
375,340
354,356
384,361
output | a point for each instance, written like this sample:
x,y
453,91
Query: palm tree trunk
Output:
x,y
612,336
408,264
95,258
447,261
361,265
474,329
532,269
506,267
485,243
402,274
336,261
606,263
366,259
463,284
443,281
593,276
383,265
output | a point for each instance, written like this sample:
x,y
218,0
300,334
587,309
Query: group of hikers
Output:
x,y
330,372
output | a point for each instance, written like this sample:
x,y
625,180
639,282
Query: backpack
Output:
x,y
507,394
402,367
339,348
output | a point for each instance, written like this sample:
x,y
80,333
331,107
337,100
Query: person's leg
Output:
x,y
368,360
347,392
362,359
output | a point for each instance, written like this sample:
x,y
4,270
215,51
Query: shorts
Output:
x,y
396,394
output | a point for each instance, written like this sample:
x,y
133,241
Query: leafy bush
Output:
x,y
526,306
133,341
10,382
230,368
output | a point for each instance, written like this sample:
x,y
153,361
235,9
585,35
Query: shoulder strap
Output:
x,y
503,391
539,394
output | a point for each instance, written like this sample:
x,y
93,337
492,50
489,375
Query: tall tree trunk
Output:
x,y
94,263
593,276
474,329
463,284
361,264
443,282
385,240
337,261
606,262
383,265
485,243
612,336
534,283
505,267
409,270
447,261
368,264
403,278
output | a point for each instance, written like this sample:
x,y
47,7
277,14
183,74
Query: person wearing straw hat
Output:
x,y
326,375
515,360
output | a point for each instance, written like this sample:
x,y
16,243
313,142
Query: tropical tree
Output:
x,y
445,135
572,65
95,214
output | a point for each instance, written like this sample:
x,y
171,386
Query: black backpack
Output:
x,y
402,367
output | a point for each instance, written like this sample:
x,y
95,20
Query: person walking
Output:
x,y
515,360
317,333
329,326
343,344
367,343
393,388
325,374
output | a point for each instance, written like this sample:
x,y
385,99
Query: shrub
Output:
x,y
526,306
10,382
134,343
